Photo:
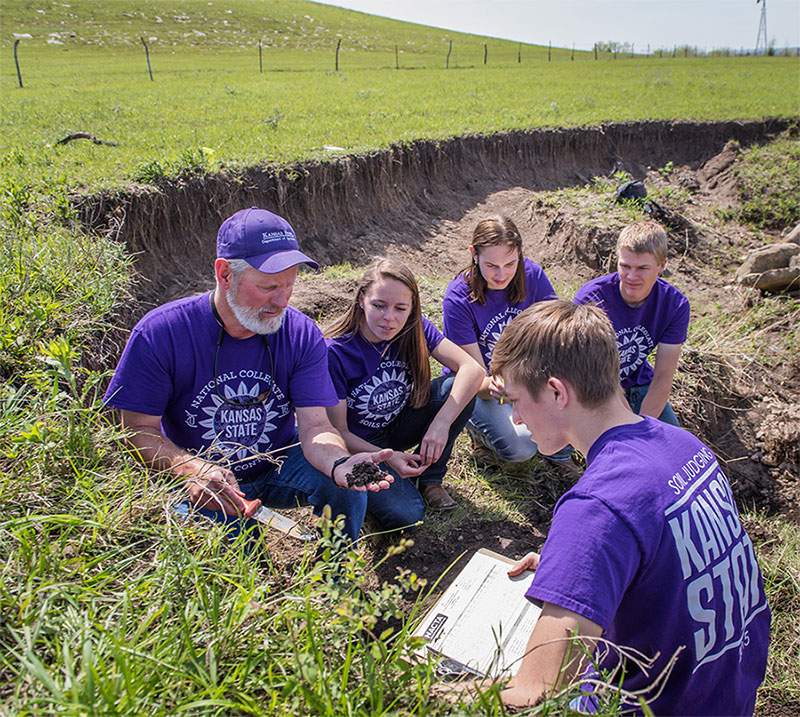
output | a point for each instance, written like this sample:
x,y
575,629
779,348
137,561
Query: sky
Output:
x,y
706,24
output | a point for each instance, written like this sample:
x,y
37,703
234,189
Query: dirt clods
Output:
x,y
364,473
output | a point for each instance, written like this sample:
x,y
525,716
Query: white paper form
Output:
x,y
483,620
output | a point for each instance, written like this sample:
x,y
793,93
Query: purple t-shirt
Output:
x,y
374,382
167,370
467,322
663,318
648,545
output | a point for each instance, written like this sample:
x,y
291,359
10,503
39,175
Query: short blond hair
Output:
x,y
644,238
572,342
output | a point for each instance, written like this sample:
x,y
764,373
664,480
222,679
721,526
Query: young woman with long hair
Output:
x,y
378,353
479,303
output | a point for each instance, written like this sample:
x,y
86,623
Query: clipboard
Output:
x,y
480,625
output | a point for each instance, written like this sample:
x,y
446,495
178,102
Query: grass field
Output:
x,y
107,606
210,108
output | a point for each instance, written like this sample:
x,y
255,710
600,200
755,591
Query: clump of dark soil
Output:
x,y
364,473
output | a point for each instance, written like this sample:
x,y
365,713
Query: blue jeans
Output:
x,y
297,483
401,505
635,396
492,425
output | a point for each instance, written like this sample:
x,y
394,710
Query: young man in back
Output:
x,y
646,551
646,313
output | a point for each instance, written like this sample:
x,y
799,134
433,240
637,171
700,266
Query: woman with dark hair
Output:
x,y
479,303
378,359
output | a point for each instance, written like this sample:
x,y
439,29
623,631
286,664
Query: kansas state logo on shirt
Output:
x,y
494,330
237,432
716,557
634,346
378,400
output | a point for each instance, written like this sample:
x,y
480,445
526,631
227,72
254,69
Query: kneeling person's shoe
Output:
x,y
437,497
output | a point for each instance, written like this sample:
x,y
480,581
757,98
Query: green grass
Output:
x,y
779,557
245,119
107,605
210,107
769,185
341,271
596,205
170,26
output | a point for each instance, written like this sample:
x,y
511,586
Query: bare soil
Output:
x,y
363,474
420,204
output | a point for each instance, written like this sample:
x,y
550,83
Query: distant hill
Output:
x,y
229,25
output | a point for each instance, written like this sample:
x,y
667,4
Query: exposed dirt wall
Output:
x,y
343,207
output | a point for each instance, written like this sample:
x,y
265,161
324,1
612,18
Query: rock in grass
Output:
x,y
793,236
771,268
774,279
773,256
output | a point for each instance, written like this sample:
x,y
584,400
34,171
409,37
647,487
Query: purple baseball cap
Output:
x,y
264,240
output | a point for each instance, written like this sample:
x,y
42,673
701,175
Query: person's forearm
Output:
x,y
323,446
484,391
159,453
527,687
466,383
356,444
208,485
554,655
656,397
666,365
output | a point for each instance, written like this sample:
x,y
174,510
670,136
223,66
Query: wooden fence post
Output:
x,y
572,56
338,45
485,53
396,59
447,61
549,48
260,63
147,55
16,62
519,53
595,50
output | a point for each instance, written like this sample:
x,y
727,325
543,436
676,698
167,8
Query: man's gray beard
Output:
x,y
248,316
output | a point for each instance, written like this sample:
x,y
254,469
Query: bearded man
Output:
x,y
208,385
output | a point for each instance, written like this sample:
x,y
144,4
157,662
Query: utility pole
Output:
x,y
761,40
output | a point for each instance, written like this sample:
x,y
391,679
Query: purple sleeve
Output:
x,y
675,332
433,337
459,323
585,295
141,381
588,561
310,382
542,288
336,371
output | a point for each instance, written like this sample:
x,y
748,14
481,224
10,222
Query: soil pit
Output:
x,y
420,204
